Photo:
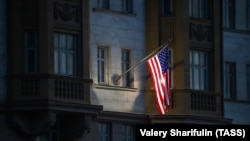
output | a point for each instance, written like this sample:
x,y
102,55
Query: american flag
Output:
x,y
159,68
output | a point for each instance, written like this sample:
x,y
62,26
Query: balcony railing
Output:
x,y
50,87
192,102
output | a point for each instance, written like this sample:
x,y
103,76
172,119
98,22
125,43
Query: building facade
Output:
x,y
196,77
62,85
236,23
65,76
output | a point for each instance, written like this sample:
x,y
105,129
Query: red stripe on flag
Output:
x,y
159,83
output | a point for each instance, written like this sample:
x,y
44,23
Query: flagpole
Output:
x,y
118,77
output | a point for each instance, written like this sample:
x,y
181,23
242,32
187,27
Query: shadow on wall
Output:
x,y
134,99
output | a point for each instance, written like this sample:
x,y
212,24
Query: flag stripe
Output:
x,y
159,98
159,88
158,66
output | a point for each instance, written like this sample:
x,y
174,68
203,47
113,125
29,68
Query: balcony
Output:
x,y
193,107
45,100
50,87
193,102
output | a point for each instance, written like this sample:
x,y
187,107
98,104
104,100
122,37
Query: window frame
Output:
x,y
199,9
103,4
127,6
105,73
230,84
59,50
105,135
229,14
167,7
203,71
31,65
127,79
128,132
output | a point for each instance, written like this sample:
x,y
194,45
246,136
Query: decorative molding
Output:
x,y
67,12
200,32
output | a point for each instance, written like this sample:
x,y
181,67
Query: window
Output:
x,y
128,133
230,80
65,54
167,8
229,14
105,132
30,45
126,64
198,70
103,4
102,65
199,8
127,6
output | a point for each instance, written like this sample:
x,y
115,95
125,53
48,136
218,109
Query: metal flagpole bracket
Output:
x,y
116,79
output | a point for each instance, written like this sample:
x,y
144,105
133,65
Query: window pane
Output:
x,y
230,80
65,54
127,5
103,4
30,43
62,41
102,54
70,64
202,59
105,131
125,66
196,79
128,133
102,71
70,43
63,63
198,8
102,65
229,13
56,69
198,70
203,79
196,58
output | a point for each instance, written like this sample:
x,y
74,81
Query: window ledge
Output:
x,y
108,11
236,31
237,101
109,87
